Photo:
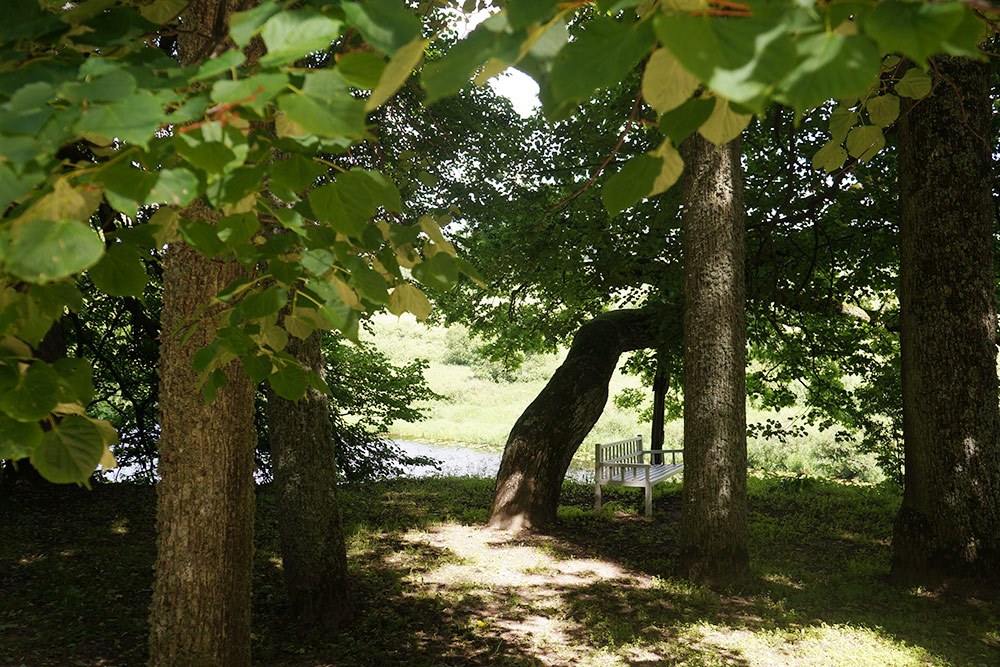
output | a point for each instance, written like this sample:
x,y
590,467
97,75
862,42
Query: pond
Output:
x,y
457,461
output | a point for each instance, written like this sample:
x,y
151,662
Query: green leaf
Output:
x,y
685,119
832,66
398,71
289,381
133,120
439,272
830,157
666,84
406,298
14,187
216,381
739,57
45,250
349,203
258,368
252,92
111,86
225,62
70,451
385,24
18,439
257,305
342,116
601,56
842,119
370,283
175,187
162,11
34,394
77,377
632,183
883,110
915,84
289,35
865,141
236,230
446,76
522,13
243,26
724,124
914,29
201,236
361,69
293,175
120,272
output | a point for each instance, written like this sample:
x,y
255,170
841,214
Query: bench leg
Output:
x,y
597,495
649,500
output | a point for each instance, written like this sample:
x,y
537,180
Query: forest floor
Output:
x,y
436,588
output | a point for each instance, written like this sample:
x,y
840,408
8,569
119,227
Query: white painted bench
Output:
x,y
624,463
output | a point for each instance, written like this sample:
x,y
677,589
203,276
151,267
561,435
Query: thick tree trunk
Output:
x,y
548,433
713,537
200,614
201,597
313,553
949,523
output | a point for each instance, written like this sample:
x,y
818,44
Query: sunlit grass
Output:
x,y
479,413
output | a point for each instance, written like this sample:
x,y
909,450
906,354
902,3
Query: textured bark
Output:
x,y
661,382
200,614
551,429
949,522
713,534
313,553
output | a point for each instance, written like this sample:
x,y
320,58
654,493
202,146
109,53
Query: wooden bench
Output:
x,y
624,463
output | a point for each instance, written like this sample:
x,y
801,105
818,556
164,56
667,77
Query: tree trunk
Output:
x,y
548,433
313,553
949,522
713,534
661,382
200,614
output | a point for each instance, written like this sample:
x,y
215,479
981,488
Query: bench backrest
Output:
x,y
620,448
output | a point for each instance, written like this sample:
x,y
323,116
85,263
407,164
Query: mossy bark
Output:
x,y
313,552
200,613
713,535
550,430
949,522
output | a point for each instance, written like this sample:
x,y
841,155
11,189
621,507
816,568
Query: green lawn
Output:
x,y
479,413
435,588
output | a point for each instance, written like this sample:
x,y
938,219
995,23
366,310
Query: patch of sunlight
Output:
x,y
783,580
119,526
815,646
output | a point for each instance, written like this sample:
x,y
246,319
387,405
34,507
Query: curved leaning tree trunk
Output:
x,y
313,554
713,535
949,522
551,429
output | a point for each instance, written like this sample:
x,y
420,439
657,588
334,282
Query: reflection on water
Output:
x,y
459,461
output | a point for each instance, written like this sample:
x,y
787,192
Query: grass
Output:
x,y
479,413
435,588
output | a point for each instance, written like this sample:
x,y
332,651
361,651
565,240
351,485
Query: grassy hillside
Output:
x,y
480,406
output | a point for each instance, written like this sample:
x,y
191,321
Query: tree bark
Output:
x,y
661,382
949,522
551,429
200,614
313,553
713,535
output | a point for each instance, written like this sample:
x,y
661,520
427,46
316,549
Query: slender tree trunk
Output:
x,y
949,523
661,382
551,429
200,614
313,553
713,547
